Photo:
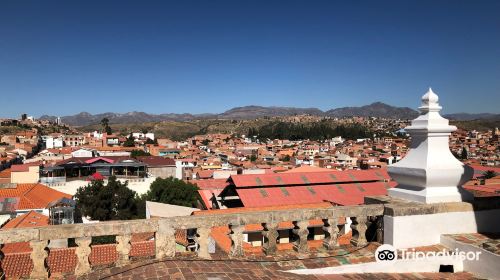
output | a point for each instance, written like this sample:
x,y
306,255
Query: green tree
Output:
x,y
253,158
489,174
104,122
104,202
139,153
105,126
129,142
173,191
149,141
285,158
464,154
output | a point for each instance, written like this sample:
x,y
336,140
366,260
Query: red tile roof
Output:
x,y
205,174
30,219
32,196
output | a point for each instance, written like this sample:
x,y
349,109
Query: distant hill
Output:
x,y
252,112
84,118
377,109
470,117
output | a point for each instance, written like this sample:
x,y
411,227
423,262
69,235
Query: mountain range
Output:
x,y
377,109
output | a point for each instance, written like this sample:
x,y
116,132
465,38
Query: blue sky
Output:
x,y
64,57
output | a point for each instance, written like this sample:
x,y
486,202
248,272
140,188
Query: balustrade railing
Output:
x,y
164,230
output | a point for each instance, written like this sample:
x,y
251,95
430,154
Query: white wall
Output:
x,y
424,230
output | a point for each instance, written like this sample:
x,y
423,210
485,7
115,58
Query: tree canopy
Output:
x,y
105,126
104,202
173,191
464,154
138,153
129,142
316,131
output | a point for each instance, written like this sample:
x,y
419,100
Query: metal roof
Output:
x,y
309,178
342,194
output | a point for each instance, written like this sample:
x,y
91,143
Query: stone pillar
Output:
x,y
123,249
429,173
82,254
270,234
165,240
201,239
359,227
38,256
236,235
331,233
300,245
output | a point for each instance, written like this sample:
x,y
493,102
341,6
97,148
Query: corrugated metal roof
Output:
x,y
346,194
310,178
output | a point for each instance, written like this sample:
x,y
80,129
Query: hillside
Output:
x,y
377,109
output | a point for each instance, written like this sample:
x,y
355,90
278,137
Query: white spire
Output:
x,y
429,172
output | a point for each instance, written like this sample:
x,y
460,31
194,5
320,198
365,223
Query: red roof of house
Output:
x,y
307,168
482,168
92,160
309,178
32,196
5,173
205,174
156,161
341,194
30,219
206,195
23,167
211,183
484,190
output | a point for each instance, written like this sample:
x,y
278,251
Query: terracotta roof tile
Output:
x,y
32,196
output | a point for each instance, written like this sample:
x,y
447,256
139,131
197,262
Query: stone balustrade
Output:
x,y
164,233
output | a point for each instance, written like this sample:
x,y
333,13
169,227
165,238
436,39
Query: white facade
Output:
x,y
140,135
54,142
83,153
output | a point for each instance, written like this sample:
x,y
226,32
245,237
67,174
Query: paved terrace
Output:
x,y
158,257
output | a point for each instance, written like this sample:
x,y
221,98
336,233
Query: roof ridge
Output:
x,y
21,219
25,194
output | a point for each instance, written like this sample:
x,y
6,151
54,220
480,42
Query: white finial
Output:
x,y
430,102
429,172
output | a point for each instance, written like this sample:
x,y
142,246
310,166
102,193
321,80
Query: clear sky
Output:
x,y
64,57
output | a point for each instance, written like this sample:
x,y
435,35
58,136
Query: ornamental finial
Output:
x,y
430,102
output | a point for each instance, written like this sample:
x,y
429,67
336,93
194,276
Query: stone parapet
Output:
x,y
164,230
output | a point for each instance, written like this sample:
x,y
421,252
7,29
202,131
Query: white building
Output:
x,y
83,153
140,135
52,142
